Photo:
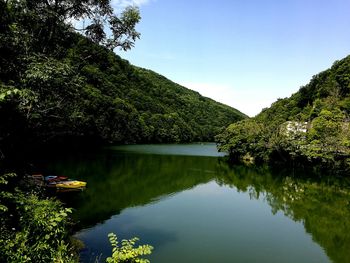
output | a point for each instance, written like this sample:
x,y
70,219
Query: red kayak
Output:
x,y
54,178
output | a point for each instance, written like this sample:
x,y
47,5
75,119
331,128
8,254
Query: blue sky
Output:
x,y
244,53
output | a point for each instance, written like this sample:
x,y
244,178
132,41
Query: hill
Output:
x,y
312,126
73,89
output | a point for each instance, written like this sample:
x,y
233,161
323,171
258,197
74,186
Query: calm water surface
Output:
x,y
192,207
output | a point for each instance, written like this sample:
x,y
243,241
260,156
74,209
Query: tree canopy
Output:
x,y
313,125
46,20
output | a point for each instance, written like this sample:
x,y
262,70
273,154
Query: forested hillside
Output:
x,y
58,85
313,125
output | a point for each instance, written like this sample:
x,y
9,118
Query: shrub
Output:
x,y
127,252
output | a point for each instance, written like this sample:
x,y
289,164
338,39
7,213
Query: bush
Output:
x,y
35,230
128,252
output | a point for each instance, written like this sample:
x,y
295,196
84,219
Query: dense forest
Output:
x,y
61,85
68,87
310,127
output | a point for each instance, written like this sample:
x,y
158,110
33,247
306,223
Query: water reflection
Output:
x,y
121,180
322,205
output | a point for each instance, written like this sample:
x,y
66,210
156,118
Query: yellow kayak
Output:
x,y
68,184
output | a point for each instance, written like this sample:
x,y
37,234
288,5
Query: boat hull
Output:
x,y
68,185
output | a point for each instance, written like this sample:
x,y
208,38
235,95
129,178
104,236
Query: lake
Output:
x,y
187,202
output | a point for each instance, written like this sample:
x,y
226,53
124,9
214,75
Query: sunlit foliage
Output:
x,y
320,114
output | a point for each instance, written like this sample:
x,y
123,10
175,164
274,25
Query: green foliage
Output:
x,y
56,85
123,29
34,230
5,195
127,252
312,125
44,23
241,138
326,125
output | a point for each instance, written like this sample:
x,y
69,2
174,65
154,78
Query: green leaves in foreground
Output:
x,y
35,230
127,252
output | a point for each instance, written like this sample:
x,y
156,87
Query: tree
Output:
x,y
243,137
123,29
46,20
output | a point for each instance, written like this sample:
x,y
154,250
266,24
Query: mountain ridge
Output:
x,y
311,126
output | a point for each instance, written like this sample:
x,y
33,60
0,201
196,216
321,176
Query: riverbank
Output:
x,y
34,227
37,226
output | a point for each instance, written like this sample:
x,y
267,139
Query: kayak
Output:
x,y
74,184
53,178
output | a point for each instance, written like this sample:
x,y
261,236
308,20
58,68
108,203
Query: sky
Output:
x,y
243,53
